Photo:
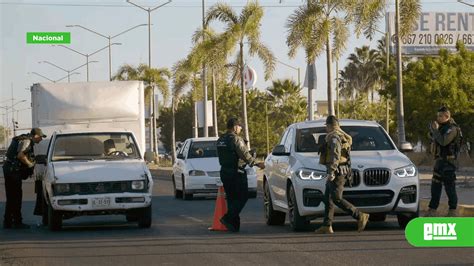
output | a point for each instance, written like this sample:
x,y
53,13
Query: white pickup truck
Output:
x,y
91,172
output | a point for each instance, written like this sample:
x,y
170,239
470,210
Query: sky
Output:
x,y
172,29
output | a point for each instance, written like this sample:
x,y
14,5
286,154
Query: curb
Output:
x,y
463,209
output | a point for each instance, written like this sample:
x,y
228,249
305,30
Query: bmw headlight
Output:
x,y
138,185
310,174
196,173
406,171
61,188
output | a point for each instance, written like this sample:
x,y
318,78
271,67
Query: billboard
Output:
x,y
434,30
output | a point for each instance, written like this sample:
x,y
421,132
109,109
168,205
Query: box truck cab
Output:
x,y
91,172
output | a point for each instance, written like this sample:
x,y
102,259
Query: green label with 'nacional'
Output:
x,y
441,232
48,37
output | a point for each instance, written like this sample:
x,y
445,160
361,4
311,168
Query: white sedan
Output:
x,y
197,169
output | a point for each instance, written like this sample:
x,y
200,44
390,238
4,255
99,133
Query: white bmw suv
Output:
x,y
385,181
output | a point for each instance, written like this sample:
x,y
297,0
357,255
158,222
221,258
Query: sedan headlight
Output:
x,y
310,174
406,171
138,185
196,173
61,188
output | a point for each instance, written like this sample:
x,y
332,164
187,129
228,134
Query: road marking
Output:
x,y
192,218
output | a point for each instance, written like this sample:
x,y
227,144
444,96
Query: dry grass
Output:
x,y
426,159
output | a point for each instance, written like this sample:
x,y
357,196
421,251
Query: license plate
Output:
x,y
100,202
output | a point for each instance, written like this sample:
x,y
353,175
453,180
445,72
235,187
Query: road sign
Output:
x,y
433,31
250,77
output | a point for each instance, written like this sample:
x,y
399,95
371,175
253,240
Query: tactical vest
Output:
x,y
12,151
228,157
450,151
346,142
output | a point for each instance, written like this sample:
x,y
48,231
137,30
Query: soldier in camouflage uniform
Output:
x,y
446,137
234,155
335,156
17,167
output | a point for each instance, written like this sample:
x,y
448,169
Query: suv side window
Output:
x,y
289,140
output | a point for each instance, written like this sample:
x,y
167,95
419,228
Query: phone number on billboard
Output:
x,y
441,38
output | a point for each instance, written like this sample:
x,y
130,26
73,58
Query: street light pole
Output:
x,y
153,140
109,39
204,83
37,74
462,2
400,112
292,67
86,55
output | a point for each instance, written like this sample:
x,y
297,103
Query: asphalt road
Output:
x,y
179,236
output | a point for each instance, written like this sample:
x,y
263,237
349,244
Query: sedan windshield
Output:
x,y
95,146
203,149
363,138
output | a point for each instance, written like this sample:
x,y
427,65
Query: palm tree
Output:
x,y
242,29
286,97
325,24
362,74
152,78
213,52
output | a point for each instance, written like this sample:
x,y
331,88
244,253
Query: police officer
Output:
x,y
18,166
445,135
336,157
234,155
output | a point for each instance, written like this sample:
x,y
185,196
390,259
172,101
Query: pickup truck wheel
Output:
x,y
297,222
144,220
177,193
186,196
272,217
55,219
44,215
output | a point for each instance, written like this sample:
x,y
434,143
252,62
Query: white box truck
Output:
x,y
86,105
92,163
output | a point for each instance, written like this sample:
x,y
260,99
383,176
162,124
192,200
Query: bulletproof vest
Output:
x,y
346,142
453,148
12,151
228,157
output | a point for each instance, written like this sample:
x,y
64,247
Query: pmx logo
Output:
x,y
439,231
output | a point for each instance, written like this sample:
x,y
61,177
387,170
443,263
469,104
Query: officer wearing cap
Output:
x,y
446,137
18,166
335,154
234,155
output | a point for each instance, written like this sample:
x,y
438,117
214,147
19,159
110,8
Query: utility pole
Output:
x,y
400,112
153,139
204,83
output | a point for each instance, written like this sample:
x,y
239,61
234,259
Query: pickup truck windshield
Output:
x,y
363,138
94,146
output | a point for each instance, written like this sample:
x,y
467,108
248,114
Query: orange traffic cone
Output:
x,y
219,211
